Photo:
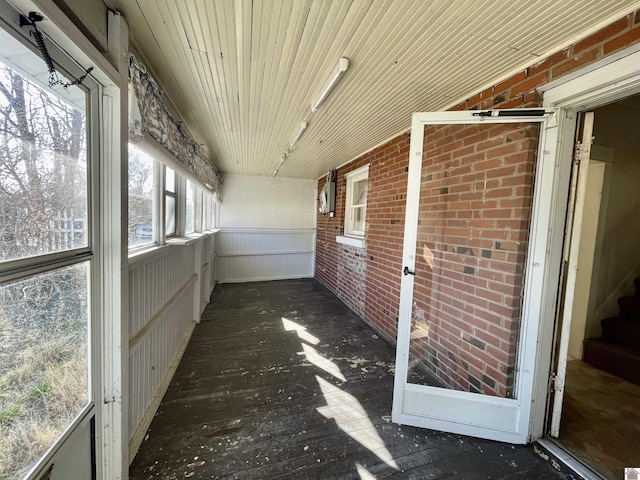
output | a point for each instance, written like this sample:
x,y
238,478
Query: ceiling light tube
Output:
x,y
283,159
296,137
333,80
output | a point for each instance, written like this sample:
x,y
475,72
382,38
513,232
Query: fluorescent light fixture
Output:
x,y
333,80
296,137
283,159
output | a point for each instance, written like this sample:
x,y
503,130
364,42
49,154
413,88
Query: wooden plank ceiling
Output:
x,y
242,74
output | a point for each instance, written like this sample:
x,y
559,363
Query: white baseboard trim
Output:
x,y
264,279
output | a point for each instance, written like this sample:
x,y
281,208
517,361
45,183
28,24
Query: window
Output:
x,y
209,212
169,202
199,210
141,198
185,204
356,202
190,194
45,260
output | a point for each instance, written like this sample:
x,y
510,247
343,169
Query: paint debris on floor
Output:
x,y
281,380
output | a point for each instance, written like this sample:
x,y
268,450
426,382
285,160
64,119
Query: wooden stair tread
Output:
x,y
612,357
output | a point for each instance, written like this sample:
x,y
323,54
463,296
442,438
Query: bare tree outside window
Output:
x,y
44,317
141,183
43,187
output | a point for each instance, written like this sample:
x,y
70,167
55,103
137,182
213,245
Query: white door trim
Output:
x,y
614,78
573,234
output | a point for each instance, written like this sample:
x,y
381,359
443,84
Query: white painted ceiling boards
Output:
x,y
243,74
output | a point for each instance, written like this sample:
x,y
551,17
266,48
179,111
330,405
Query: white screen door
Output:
x,y
470,288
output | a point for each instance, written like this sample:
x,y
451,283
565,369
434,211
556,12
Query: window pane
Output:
x,y
200,211
169,180
358,219
360,192
190,205
170,215
208,212
141,181
44,381
43,169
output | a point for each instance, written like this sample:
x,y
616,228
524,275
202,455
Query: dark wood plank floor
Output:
x,y
256,396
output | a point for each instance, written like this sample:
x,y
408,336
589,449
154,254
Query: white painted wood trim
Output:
x,y
140,257
271,252
353,241
613,79
574,248
258,231
145,423
135,341
264,279
182,241
71,39
408,260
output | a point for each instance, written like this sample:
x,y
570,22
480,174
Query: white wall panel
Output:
x,y
254,242
266,202
251,255
267,229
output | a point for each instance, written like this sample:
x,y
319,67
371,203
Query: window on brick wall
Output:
x,y
356,202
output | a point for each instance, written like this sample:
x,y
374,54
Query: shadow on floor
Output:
x,y
281,380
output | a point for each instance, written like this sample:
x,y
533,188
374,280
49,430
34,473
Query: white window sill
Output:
x,y
186,240
353,241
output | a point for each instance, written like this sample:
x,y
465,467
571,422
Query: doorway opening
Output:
x,y
600,413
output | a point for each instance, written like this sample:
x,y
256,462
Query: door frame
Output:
x,y
605,81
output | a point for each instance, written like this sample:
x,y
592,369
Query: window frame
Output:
x,y
198,210
157,208
166,193
89,254
190,185
352,178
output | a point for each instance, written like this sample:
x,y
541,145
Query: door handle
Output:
x,y
406,271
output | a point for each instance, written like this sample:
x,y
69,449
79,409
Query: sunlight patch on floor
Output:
x,y
352,419
319,361
342,407
364,473
291,326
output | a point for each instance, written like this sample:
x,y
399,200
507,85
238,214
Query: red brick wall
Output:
x,y
368,280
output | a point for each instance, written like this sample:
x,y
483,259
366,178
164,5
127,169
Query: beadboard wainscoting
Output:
x,y
249,255
169,288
